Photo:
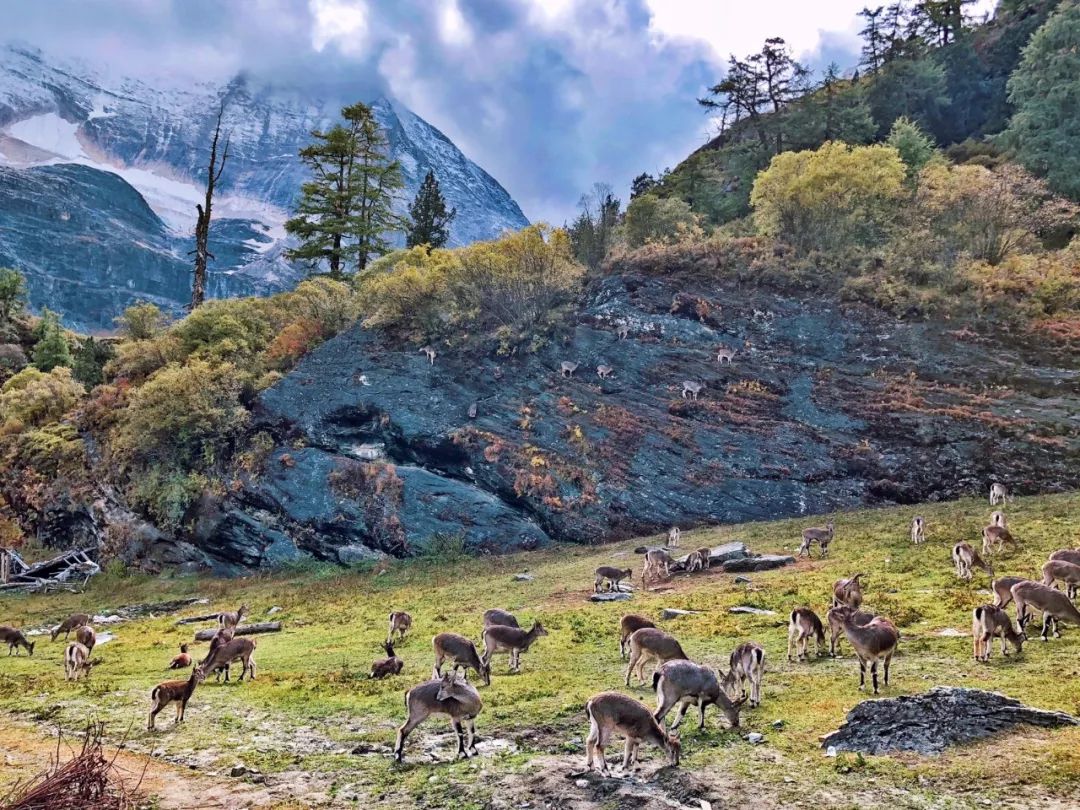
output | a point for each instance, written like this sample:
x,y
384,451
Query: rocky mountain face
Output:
x,y
824,407
77,150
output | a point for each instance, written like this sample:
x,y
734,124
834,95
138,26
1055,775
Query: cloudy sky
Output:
x,y
547,95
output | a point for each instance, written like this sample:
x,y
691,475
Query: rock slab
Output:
x,y
931,722
758,562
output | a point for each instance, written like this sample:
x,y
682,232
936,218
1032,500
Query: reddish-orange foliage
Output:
x,y
295,340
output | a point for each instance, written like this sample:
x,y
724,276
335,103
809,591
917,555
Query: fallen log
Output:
x,y
196,619
242,630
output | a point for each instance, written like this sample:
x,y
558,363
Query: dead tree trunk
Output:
x,y
202,223
242,630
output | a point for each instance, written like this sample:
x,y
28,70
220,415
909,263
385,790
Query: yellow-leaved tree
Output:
x,y
834,197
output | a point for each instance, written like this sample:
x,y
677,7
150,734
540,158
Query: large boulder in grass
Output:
x,y
931,722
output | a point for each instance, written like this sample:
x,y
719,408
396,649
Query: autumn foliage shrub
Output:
x,y
511,287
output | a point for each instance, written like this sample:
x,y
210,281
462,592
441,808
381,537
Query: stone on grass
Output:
x,y
931,722
523,577
610,597
759,562
751,610
754,738
740,580
674,613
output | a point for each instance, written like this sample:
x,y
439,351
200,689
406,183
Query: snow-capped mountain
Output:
x,y
99,179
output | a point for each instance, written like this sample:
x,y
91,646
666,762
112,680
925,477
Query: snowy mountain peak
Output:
x,y
155,139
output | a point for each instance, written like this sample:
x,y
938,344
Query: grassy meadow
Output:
x,y
314,730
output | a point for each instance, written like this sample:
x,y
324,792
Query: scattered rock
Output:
x,y
752,610
273,610
674,613
610,597
365,748
759,562
523,577
951,632
754,738
238,770
581,783
778,724
740,580
930,722
352,554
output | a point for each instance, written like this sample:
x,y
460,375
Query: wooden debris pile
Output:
x,y
88,779
70,571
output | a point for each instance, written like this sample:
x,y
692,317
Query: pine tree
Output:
x,y
346,210
642,184
1045,128
874,46
429,220
51,349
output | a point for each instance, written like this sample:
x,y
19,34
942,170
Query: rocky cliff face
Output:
x,y
129,139
824,407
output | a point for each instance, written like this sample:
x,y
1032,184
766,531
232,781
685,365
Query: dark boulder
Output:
x,y
931,722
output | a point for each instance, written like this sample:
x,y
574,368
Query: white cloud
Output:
x,y
453,28
342,23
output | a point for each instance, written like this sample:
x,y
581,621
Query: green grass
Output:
x,y
312,702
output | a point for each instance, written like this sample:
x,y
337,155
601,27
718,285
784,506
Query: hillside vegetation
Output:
x,y
312,703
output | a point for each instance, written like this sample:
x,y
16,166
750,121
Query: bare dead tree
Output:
x,y
202,223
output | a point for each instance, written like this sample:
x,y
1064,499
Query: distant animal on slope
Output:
x,y
72,622
15,639
657,564
610,713
747,664
988,621
384,667
873,642
447,695
603,372
86,636
76,661
237,649
400,623
725,354
692,388
514,640
628,624
918,530
848,591
687,684
230,620
998,494
430,353
567,368
461,653
802,625
651,644
698,560
1055,606
835,617
178,692
820,535
1062,571
1002,588
503,617
965,558
613,576
674,535
996,536
181,661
